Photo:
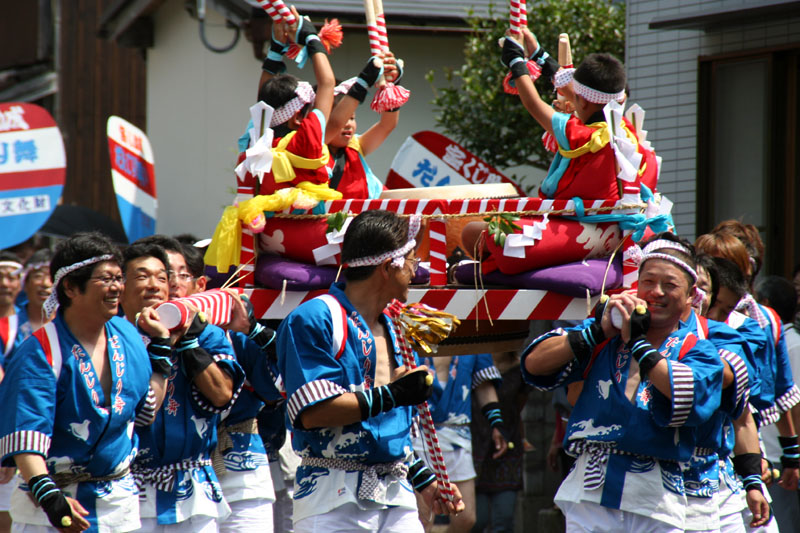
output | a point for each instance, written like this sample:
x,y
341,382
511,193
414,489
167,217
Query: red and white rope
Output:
x,y
514,20
427,427
281,8
374,34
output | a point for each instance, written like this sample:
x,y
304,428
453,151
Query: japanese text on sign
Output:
x,y
469,167
13,119
22,205
426,173
18,151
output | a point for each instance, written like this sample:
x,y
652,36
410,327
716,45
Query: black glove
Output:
x,y
791,452
195,359
641,350
419,475
748,467
583,342
273,63
52,500
366,79
160,352
307,36
546,62
513,57
411,389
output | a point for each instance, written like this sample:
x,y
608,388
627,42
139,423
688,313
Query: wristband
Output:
x,y
492,413
160,353
546,62
791,452
419,475
411,389
273,63
314,46
748,467
644,353
584,341
195,359
52,500
373,402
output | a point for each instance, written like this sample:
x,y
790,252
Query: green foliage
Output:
x,y
474,109
500,225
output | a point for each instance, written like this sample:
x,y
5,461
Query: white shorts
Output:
x,y
195,524
587,517
349,517
458,462
249,516
5,493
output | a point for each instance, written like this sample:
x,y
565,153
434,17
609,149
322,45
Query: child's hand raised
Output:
x,y
530,42
392,67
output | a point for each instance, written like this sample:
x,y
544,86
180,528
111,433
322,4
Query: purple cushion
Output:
x,y
271,271
571,279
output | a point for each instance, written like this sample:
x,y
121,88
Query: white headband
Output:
x,y
12,264
563,77
343,87
305,95
594,96
397,256
52,301
638,256
34,266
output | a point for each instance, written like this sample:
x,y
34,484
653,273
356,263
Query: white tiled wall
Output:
x,y
662,70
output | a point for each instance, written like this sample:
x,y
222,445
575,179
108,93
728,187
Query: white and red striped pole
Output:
x,y
388,96
427,427
278,11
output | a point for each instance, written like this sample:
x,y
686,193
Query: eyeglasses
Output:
x,y
414,263
106,281
183,277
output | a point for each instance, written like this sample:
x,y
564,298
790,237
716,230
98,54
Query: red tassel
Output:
x,y
549,142
330,35
389,97
533,69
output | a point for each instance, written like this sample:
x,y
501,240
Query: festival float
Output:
x,y
543,258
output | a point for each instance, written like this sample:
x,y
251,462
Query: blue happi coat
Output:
x,y
55,407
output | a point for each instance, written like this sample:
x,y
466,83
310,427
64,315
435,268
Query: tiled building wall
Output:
x,y
662,70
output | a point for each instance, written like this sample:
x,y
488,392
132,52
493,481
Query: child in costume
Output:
x,y
349,172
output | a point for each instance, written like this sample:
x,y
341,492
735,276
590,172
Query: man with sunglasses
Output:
x,y
73,392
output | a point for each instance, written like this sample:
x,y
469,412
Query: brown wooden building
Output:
x,y
51,56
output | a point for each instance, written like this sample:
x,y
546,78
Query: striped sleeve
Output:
x,y
309,394
485,374
682,394
147,413
741,381
788,399
24,442
557,379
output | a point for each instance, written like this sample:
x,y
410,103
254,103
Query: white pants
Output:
x,y
587,517
248,516
195,524
771,527
731,523
5,493
349,517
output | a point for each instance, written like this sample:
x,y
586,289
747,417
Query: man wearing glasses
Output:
x,y
72,394
178,488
